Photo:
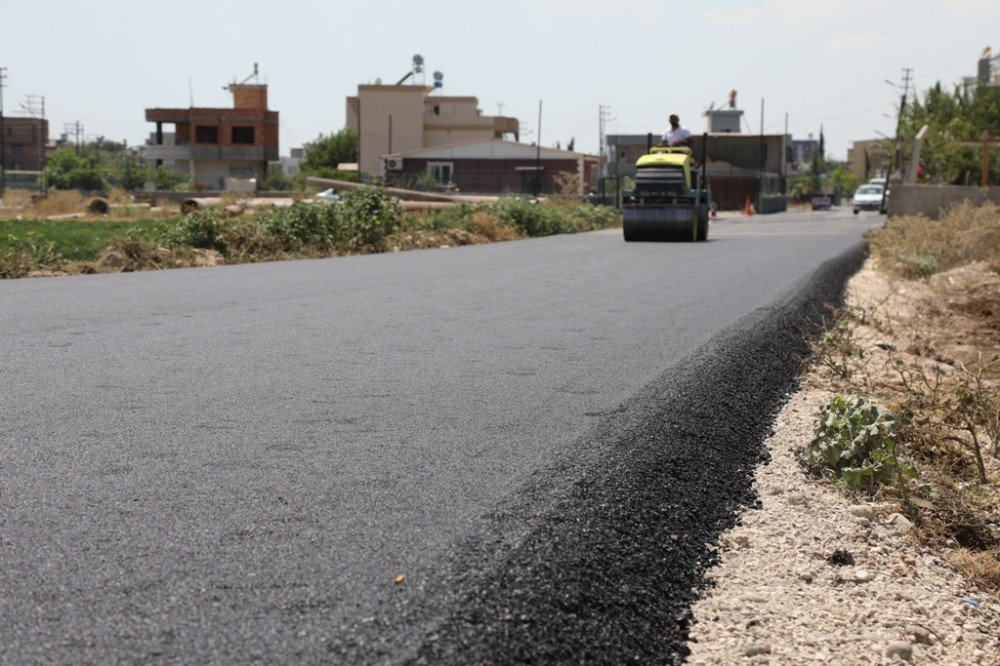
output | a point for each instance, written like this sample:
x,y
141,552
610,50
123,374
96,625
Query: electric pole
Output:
x,y
75,130
34,107
603,114
907,77
3,133
897,158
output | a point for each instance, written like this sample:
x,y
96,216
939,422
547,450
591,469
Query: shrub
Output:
x,y
531,217
302,224
855,441
369,215
200,229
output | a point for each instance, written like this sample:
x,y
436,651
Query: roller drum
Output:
x,y
662,223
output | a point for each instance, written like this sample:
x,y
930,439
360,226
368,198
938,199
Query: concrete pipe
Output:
x,y
98,206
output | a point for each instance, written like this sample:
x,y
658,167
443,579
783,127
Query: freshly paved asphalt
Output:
x,y
236,463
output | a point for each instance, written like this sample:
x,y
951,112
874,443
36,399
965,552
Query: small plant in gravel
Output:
x,y
837,348
855,441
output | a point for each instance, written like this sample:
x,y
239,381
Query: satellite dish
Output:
x,y
438,76
418,60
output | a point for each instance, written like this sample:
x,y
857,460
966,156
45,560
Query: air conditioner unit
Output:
x,y
394,164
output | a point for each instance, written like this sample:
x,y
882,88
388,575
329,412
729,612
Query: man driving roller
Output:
x,y
676,134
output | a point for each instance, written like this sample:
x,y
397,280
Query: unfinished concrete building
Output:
x,y
212,145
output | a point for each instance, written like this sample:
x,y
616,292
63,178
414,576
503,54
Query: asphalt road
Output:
x,y
236,463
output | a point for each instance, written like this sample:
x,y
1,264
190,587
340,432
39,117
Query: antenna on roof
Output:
x,y
254,76
438,80
416,71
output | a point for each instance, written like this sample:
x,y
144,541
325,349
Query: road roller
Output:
x,y
671,197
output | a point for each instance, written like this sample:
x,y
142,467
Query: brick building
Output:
x,y
492,166
210,145
24,141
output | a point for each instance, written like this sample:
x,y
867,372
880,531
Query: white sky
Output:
x,y
103,62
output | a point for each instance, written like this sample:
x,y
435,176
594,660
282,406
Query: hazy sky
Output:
x,y
102,62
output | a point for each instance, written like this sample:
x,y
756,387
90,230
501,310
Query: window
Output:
x,y
8,131
243,135
241,171
206,134
441,172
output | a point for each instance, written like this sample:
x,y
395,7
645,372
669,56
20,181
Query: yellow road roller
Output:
x,y
671,198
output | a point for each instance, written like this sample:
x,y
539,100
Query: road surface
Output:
x,y
480,454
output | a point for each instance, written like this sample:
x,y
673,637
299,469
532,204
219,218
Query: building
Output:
x,y
397,119
211,145
739,165
291,165
493,166
800,154
869,158
24,143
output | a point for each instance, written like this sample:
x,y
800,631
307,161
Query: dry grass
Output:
x,y
59,202
17,197
917,247
488,226
981,567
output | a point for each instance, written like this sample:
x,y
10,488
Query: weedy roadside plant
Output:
x,y
855,441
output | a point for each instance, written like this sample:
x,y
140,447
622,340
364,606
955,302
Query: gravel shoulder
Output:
x,y
810,575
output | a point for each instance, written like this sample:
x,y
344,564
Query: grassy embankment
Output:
x,y
926,352
366,221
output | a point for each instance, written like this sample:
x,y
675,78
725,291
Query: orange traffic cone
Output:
x,y
749,207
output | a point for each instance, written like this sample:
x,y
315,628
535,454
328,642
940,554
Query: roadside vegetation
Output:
x,y
916,415
364,221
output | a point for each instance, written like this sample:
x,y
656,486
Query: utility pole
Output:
x,y
74,129
3,132
34,106
762,165
907,76
897,159
603,115
538,153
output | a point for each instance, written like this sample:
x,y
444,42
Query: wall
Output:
x,y
249,96
377,103
930,200
212,173
487,176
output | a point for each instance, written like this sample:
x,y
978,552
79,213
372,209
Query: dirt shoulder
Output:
x,y
818,574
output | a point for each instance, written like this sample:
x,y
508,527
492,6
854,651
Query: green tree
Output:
x,y
954,118
131,173
167,179
815,169
326,152
276,180
67,170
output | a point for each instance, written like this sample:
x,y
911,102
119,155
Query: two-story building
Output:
x,y
24,143
211,144
398,119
